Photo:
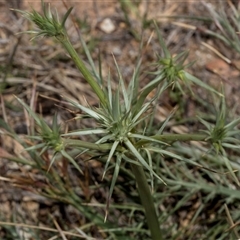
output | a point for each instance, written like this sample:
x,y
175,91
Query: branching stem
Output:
x,y
83,69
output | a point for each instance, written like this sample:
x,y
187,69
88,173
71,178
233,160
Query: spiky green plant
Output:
x,y
121,116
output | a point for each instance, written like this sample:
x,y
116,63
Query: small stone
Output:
x,y
107,26
117,51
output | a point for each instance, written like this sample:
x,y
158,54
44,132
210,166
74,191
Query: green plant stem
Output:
x,y
86,145
147,202
169,138
82,68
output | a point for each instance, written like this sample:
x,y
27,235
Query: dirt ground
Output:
x,y
42,65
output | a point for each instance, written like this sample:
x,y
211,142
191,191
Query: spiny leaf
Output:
x,y
201,83
135,152
66,16
66,155
113,182
113,149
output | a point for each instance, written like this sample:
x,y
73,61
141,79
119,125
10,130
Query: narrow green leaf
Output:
x,y
35,147
105,138
113,182
133,87
66,155
114,146
205,123
165,122
167,54
66,16
44,149
173,155
129,160
30,111
116,112
229,166
52,161
146,90
121,82
141,111
141,159
110,97
89,111
181,57
85,132
149,139
228,145
201,83
149,156
232,124
153,83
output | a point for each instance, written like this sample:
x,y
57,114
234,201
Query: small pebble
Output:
x,y
107,26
